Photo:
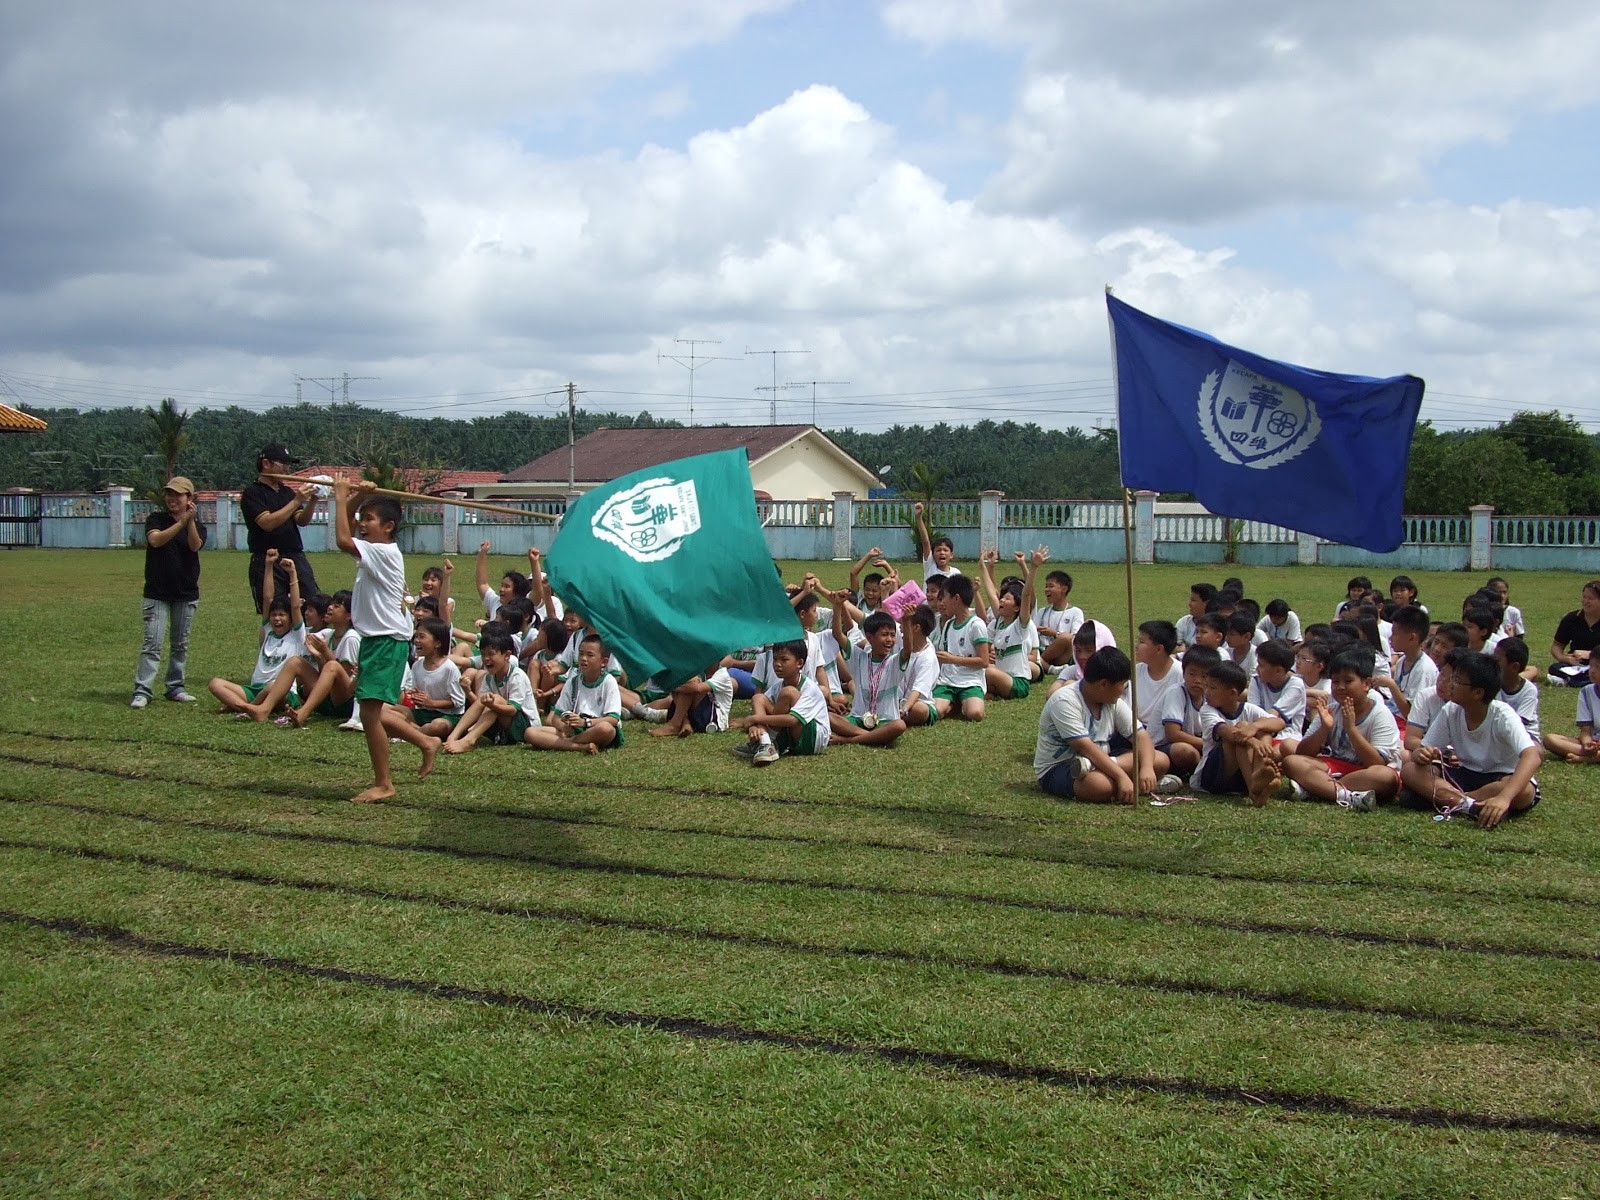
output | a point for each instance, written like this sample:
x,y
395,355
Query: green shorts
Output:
x,y
647,694
797,741
1019,688
943,691
252,692
382,668
510,735
426,716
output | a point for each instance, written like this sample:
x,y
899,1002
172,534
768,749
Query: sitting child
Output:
x,y
283,640
1013,672
1476,757
874,718
1352,754
1583,748
1511,654
1237,757
791,716
700,705
964,654
1281,624
434,692
1276,688
1181,724
589,709
504,710
1073,754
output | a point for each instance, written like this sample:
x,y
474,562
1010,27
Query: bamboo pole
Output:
x,y
419,498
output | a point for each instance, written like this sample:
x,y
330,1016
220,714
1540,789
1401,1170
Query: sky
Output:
x,y
920,202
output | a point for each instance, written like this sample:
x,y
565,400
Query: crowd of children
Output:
x,y
1382,703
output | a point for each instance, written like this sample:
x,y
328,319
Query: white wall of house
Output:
x,y
807,470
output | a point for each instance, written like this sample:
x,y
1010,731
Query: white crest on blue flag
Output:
x,y
1253,421
649,521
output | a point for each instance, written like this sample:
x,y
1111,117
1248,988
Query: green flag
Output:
x,y
670,566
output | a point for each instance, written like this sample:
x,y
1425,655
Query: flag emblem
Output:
x,y
651,520
1254,421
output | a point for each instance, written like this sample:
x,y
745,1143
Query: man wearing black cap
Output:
x,y
274,513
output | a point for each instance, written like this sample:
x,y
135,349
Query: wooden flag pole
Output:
x,y
1127,560
419,498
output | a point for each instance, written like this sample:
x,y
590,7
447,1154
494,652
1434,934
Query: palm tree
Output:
x,y
171,440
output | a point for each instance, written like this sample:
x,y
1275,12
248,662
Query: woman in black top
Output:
x,y
274,514
1577,637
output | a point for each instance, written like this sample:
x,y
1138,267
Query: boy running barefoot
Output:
x,y
1476,757
1072,756
1352,755
791,716
378,614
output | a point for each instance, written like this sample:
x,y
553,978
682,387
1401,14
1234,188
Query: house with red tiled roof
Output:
x,y
14,420
787,462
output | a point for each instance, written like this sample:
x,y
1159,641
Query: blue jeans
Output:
x,y
158,614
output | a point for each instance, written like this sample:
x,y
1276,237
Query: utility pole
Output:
x,y
335,385
572,441
814,384
695,361
772,415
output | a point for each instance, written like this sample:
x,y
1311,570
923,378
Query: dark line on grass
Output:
x,y
1286,998
1321,1103
846,844
673,873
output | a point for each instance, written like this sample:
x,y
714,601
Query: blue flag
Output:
x,y
1260,439
670,565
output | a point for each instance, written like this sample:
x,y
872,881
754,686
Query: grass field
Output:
x,y
659,972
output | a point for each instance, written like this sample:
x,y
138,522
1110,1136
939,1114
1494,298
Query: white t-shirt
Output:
x,y
877,684
1526,705
1289,701
1417,680
1246,659
722,689
1185,627
442,686
1589,705
1378,727
963,640
1154,694
1424,711
1183,712
1064,621
1011,645
378,596
929,569
827,649
1067,716
811,705
1512,626
275,651
1289,631
600,699
919,673
348,648
514,687
1490,749
1214,720
491,602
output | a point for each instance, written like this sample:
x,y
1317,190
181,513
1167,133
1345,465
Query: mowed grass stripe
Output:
x,y
795,946
1321,1103
1086,819
635,869
1391,877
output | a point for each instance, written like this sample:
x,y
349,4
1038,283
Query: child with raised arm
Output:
x,y
1583,748
791,716
513,584
1476,757
936,553
334,656
1056,620
364,528
283,641
1073,757
918,666
1012,674
1352,755
868,593
436,699
589,709
504,710
964,654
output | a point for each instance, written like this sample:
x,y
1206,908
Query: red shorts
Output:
x,y
1340,767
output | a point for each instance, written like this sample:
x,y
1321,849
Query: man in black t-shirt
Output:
x,y
274,513
171,591
1577,637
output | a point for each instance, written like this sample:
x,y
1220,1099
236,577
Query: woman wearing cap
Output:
x,y
172,542
274,513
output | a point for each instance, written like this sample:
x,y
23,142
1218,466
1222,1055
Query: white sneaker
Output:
x,y
1168,784
765,756
140,700
354,724
1359,801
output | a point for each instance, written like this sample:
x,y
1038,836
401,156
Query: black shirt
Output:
x,y
1575,633
261,498
171,572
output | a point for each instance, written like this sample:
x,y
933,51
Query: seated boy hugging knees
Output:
x,y
964,654
791,716
1073,754
1351,755
1276,688
1237,758
1181,714
1583,748
1476,757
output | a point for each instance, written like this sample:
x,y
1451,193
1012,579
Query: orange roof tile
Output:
x,y
14,420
